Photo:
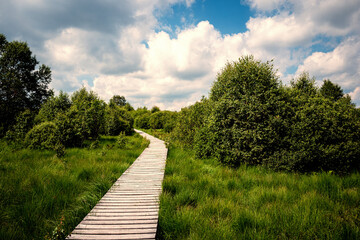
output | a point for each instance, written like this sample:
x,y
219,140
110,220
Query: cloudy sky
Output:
x,y
168,52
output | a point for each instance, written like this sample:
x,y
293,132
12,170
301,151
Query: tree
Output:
x,y
155,109
118,100
331,90
21,85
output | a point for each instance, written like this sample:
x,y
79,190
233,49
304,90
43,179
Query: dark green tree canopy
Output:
x,y
331,90
22,86
118,100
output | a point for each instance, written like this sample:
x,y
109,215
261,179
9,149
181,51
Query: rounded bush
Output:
x,y
42,136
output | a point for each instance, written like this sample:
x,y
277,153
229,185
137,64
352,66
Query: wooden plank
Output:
x,y
114,231
111,237
117,226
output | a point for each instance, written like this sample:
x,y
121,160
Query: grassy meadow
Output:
x,y
203,199
45,197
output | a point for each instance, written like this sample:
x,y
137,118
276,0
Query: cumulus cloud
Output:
x,y
118,47
340,65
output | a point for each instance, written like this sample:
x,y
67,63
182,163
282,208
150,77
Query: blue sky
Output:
x,y
168,52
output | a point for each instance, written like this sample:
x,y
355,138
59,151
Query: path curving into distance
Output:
x,y
129,210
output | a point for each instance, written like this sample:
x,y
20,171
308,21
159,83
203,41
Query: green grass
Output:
x,y
43,196
202,199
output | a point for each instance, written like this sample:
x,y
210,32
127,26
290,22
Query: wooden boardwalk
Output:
x,y
129,210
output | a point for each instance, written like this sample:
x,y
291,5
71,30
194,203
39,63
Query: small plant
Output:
x,y
94,144
59,231
121,140
60,150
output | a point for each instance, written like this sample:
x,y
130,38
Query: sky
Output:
x,y
168,52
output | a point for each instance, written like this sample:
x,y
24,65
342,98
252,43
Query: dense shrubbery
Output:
x,y
253,120
67,122
42,136
155,119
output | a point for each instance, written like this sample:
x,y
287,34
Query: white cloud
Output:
x,y
355,96
340,65
266,5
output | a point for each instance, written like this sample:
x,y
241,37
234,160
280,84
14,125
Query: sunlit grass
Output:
x,y
38,189
203,199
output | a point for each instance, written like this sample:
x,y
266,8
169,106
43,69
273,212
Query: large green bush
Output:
x,y
244,99
42,136
254,120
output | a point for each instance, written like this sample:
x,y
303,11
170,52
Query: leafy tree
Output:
x,y
155,109
118,120
88,114
18,131
42,136
243,100
53,106
21,85
118,100
331,91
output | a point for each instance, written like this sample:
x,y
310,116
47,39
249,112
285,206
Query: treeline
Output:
x,y
251,118
64,121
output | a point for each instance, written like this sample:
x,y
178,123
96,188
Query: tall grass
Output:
x,y
202,199
43,196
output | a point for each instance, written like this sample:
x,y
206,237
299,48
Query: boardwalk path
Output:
x,y
129,210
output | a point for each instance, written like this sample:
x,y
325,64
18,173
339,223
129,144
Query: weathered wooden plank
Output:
x,y
111,237
117,226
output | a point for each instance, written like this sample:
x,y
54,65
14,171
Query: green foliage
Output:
x,y
121,141
53,106
22,86
162,120
319,134
189,121
116,121
243,99
118,101
69,133
42,136
331,90
142,121
155,109
251,119
24,122
89,114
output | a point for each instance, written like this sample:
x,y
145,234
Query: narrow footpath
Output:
x,y
129,210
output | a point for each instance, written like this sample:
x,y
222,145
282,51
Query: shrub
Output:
x,y
52,107
68,132
142,121
189,121
42,136
243,98
118,120
24,122
254,120
89,114
121,140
